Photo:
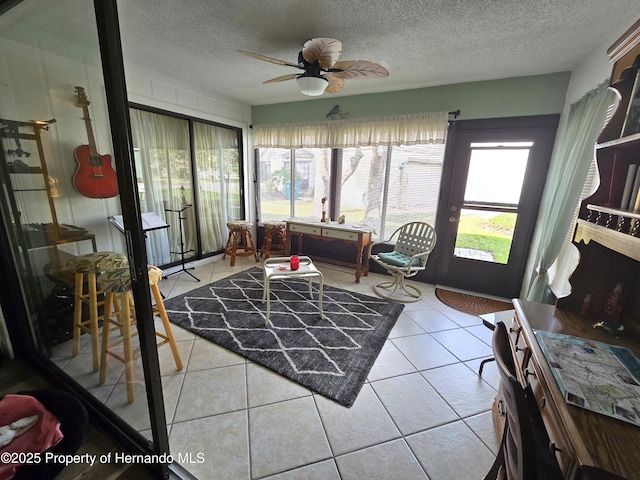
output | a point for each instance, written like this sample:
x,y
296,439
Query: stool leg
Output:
x,y
106,335
128,350
252,246
266,248
226,248
168,331
234,247
93,321
77,312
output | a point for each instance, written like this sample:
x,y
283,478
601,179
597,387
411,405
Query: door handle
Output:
x,y
452,219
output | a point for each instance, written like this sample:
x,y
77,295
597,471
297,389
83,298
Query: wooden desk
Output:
x,y
360,238
580,437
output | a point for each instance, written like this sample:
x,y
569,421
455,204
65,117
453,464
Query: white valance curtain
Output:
x,y
415,129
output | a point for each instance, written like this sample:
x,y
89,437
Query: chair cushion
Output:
x,y
119,279
97,262
274,225
398,259
238,225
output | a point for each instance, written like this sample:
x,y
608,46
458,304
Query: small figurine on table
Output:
x,y
324,209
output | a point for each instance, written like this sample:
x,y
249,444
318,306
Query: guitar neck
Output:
x,y
93,151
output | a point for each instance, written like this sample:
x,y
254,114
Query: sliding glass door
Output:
x,y
66,172
189,174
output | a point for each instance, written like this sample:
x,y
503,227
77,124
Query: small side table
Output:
x,y
277,268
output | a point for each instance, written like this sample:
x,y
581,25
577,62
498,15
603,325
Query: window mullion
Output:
x,y
385,191
292,184
335,178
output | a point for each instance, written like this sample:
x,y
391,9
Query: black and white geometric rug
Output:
x,y
331,356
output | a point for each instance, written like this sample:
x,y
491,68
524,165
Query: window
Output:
x,y
188,171
278,200
380,171
490,208
381,186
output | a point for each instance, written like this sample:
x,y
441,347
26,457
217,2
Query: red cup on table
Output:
x,y
294,262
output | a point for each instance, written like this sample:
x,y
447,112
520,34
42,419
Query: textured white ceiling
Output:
x,y
421,42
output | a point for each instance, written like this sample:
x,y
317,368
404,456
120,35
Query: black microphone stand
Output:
x,y
182,251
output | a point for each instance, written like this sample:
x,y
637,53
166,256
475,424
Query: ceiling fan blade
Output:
x,y
268,59
323,50
354,69
282,78
335,83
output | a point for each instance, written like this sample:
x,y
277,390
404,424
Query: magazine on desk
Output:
x,y
596,376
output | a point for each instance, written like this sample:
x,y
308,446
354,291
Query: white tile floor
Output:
x,y
424,413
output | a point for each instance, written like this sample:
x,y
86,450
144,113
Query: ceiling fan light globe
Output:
x,y
312,86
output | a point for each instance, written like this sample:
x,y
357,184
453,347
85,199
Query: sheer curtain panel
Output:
x,y
218,183
163,169
570,165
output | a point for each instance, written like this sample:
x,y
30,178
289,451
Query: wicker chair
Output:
x,y
413,243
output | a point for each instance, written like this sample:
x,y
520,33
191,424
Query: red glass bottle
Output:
x,y
294,262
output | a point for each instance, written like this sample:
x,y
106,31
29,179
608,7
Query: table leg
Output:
x,y
365,253
266,294
320,295
359,265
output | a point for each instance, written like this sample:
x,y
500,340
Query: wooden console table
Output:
x,y
580,438
349,234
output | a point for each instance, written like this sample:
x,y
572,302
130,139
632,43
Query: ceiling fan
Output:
x,y
322,71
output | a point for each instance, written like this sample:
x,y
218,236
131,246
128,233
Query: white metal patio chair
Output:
x,y
413,243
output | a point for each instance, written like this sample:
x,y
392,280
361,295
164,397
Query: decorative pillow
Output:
x,y
396,258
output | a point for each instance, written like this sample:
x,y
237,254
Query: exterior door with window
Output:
x,y
492,185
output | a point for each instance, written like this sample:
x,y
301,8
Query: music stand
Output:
x,y
150,221
182,251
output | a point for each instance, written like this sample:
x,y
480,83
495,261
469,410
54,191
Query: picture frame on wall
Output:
x,y
632,119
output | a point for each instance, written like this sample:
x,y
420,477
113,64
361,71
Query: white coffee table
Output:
x,y
277,268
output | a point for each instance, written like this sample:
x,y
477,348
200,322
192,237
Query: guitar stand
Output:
x,y
182,251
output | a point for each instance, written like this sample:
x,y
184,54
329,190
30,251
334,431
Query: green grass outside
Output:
x,y
487,234
475,232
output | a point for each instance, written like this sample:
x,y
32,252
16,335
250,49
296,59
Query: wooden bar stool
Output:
x,y
240,238
117,286
278,230
88,267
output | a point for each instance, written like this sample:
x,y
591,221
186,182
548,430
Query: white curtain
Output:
x,y
218,181
161,144
570,164
416,129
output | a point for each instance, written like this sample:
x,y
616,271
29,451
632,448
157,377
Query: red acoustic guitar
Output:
x,y
94,177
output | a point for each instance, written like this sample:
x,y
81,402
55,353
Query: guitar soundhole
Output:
x,y
95,161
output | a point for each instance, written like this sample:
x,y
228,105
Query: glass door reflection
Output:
x,y
59,189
